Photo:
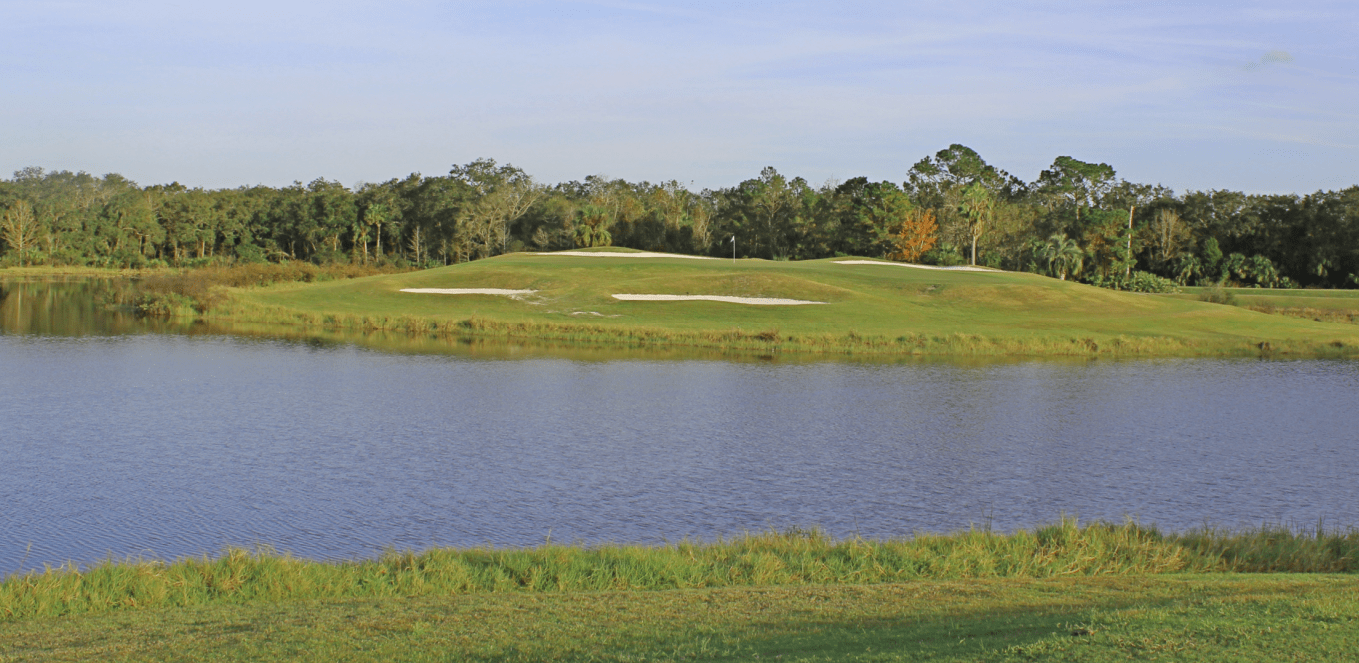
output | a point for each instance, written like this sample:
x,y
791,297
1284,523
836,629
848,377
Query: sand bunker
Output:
x,y
757,301
611,254
960,268
469,291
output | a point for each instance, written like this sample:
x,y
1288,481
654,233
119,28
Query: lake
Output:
x,y
120,436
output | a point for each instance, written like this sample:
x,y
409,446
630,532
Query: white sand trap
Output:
x,y
469,291
960,268
757,301
611,254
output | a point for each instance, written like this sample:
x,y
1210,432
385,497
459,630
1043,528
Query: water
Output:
x,y
124,440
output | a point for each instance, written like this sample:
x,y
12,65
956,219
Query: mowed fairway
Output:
x,y
887,308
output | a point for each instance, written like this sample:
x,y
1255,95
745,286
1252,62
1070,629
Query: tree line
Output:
x,y
1077,220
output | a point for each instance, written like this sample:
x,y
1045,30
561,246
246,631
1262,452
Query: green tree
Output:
x,y
954,168
1064,256
593,227
1212,260
500,195
129,228
332,211
767,215
871,214
978,206
375,216
1076,183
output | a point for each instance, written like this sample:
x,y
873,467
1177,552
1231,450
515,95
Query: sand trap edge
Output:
x,y
469,291
959,268
754,301
612,254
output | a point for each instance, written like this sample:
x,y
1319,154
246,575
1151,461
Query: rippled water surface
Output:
x,y
125,442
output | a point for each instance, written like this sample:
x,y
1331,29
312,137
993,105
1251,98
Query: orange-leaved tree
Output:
x,y
919,232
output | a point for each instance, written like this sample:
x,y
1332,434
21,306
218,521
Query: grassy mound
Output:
x,y
884,309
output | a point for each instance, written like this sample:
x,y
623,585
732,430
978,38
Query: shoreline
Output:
x,y
808,556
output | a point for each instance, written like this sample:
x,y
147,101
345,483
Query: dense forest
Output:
x,y
1078,220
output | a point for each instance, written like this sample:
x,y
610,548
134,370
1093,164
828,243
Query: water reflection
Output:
x,y
66,307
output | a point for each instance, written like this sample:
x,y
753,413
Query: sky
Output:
x,y
1260,97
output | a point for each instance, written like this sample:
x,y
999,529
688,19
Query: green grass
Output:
x,y
770,559
1346,299
1340,306
1062,592
1222,617
870,310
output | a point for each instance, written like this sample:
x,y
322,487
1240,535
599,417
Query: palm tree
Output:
x,y
587,236
593,227
979,207
1064,256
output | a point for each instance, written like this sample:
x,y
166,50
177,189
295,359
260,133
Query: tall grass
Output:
x,y
793,557
1277,549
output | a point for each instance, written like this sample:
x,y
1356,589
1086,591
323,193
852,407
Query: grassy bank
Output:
x,y
771,559
1062,592
869,309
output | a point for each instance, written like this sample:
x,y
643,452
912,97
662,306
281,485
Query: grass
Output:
x,y
875,310
769,559
1060,593
192,292
1338,306
1224,617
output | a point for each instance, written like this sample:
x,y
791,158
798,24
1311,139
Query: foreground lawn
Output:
x,y
1060,592
885,308
1218,617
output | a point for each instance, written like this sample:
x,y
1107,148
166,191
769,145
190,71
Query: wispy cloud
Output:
x,y
1268,59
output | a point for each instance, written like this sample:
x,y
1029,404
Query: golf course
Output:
x,y
839,305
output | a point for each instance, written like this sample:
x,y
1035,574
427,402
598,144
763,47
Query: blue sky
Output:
x,y
1254,96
